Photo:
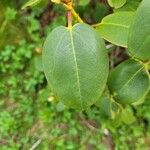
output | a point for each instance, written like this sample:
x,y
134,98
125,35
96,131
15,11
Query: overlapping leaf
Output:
x,y
139,36
115,28
129,82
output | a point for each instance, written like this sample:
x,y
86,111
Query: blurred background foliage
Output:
x,y
29,117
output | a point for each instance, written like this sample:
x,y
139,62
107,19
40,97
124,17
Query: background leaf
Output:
x,y
104,105
116,3
129,82
31,3
130,5
38,62
139,36
84,2
127,115
115,28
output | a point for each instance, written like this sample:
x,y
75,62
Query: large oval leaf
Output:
x,y
129,82
115,28
139,36
76,65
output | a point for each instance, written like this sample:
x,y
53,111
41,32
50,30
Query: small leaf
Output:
x,y
116,122
38,63
116,3
107,108
10,14
115,28
130,5
84,2
104,105
75,63
31,3
129,82
127,116
139,36
60,107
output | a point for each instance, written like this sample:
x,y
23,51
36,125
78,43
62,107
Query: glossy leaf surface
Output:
x,y
139,36
76,65
115,28
129,82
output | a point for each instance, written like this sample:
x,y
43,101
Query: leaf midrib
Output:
x,y
132,77
76,67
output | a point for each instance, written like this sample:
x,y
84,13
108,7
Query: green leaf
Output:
x,y
10,14
139,36
60,107
75,63
38,63
107,108
81,2
127,115
31,3
104,105
116,3
115,28
131,5
116,122
139,102
129,82
84,2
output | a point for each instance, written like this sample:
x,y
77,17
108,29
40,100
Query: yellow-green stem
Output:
x,y
69,7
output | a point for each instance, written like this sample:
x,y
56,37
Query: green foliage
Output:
x,y
104,105
10,14
84,2
130,5
116,3
30,114
127,115
31,3
139,40
129,82
73,73
115,28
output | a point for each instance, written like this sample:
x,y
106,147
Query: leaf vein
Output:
x,y
76,66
